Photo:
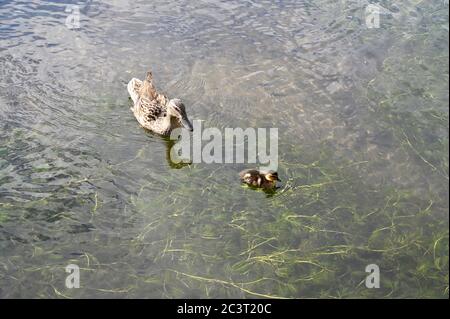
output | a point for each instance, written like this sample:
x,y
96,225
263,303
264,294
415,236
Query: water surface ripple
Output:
x,y
363,122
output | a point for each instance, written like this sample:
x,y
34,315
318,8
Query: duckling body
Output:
x,y
259,179
155,111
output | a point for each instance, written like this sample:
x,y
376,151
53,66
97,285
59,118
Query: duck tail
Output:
x,y
147,88
149,76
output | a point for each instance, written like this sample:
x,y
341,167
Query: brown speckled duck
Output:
x,y
259,179
153,110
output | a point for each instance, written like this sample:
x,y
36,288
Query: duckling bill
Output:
x,y
259,179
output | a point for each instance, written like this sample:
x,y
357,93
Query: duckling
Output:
x,y
155,111
259,179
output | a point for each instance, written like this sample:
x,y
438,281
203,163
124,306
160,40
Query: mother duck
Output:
x,y
153,110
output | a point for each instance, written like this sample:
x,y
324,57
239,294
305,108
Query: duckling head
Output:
x,y
271,176
176,109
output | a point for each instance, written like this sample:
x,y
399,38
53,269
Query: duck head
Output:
x,y
176,109
271,176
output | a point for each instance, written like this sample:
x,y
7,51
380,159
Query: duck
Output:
x,y
155,111
259,179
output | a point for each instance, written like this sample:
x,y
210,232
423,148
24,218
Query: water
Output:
x,y
363,123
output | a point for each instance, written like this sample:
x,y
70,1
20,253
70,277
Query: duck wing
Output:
x,y
248,173
149,109
133,88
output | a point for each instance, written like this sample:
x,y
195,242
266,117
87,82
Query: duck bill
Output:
x,y
187,124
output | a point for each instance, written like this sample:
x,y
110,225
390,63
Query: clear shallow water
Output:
x,y
363,123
